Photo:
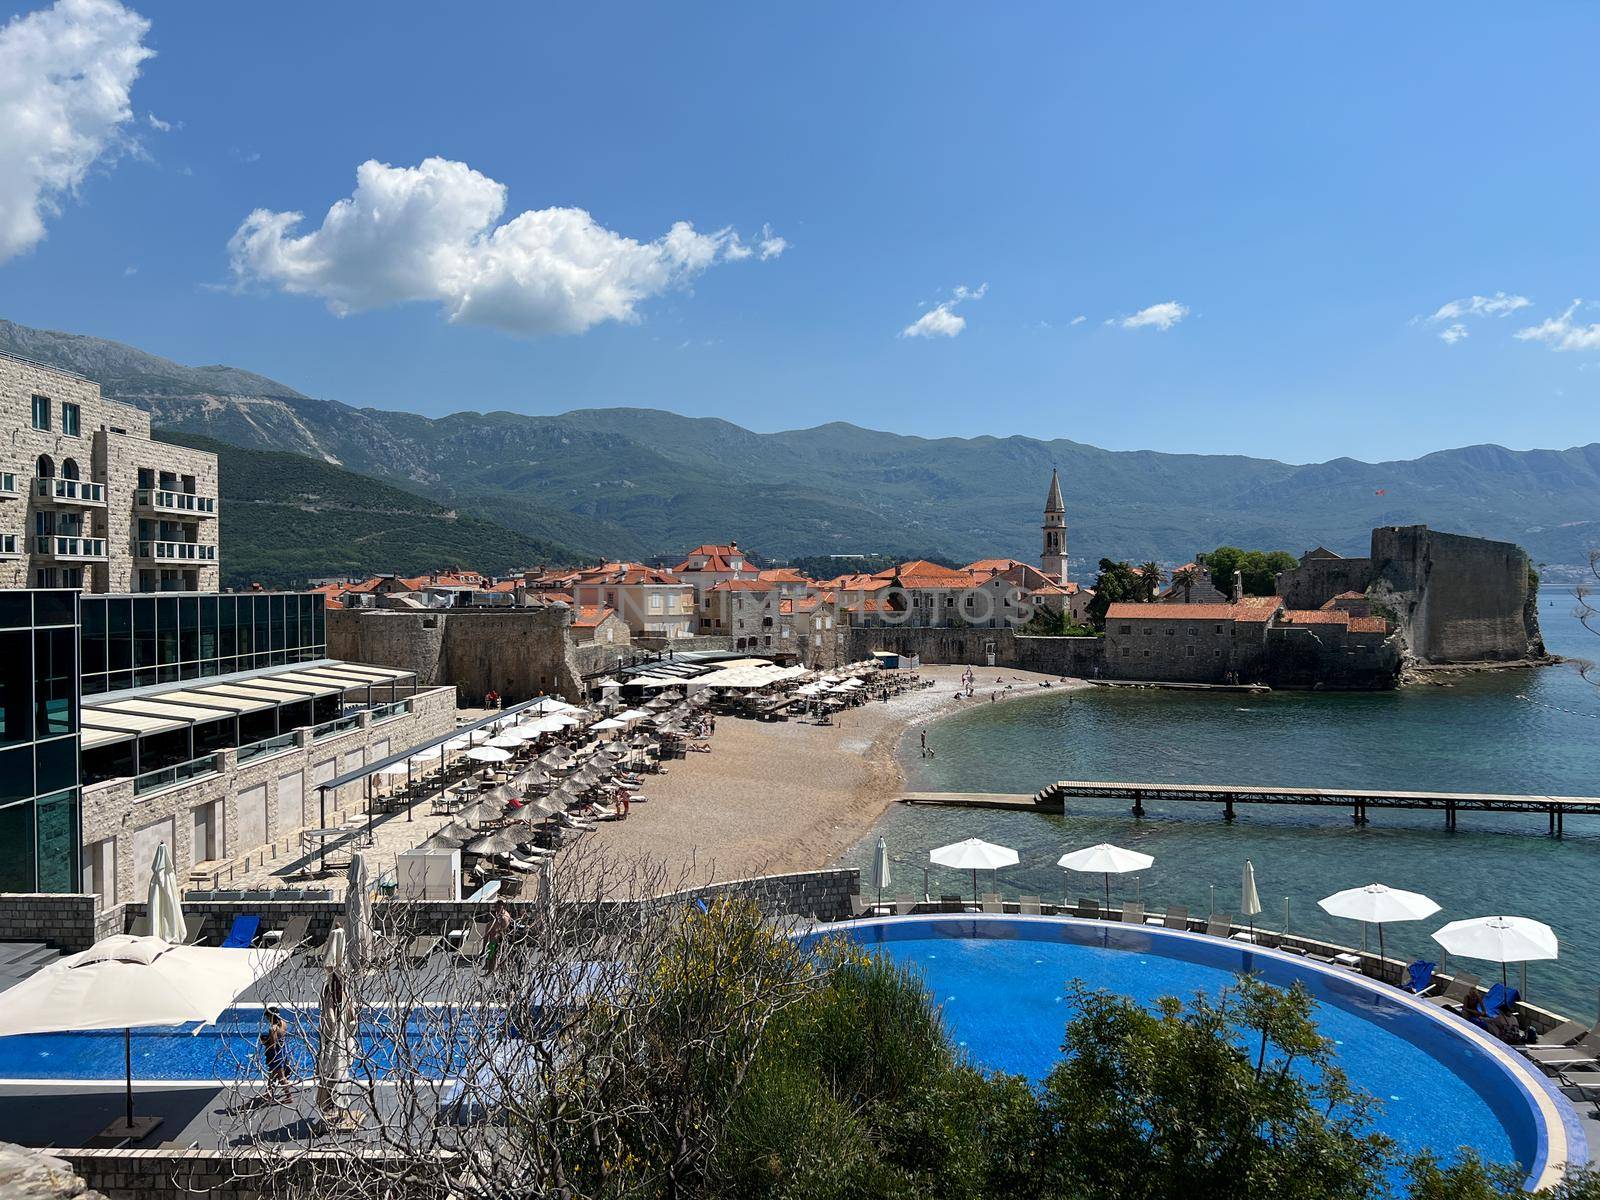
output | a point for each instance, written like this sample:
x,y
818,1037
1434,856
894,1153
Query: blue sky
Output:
x,y
1287,193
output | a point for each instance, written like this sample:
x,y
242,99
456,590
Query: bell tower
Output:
x,y
1053,559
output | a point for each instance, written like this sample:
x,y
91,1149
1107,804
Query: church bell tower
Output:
x,y
1053,559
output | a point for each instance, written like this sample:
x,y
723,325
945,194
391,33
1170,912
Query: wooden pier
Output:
x,y
1053,799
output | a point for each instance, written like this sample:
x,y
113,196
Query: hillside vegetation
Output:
x,y
286,518
640,482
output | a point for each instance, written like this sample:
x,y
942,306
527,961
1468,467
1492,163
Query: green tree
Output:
x,y
1150,579
1118,583
1234,1097
1258,568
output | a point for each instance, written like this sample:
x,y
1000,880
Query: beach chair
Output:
x,y
1133,912
473,939
1088,909
904,906
421,947
1220,925
1584,1052
243,933
1419,977
291,935
1563,1034
1456,993
1177,917
951,904
991,903
1028,906
860,907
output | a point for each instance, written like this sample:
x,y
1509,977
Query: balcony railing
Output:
x,y
397,708
329,728
269,745
8,484
10,546
53,546
177,551
150,781
69,491
185,503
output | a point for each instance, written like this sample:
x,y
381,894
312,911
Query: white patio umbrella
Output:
x,y
880,868
336,1032
393,770
358,913
163,905
128,983
1378,904
608,724
606,684
1249,899
488,754
509,740
550,705
632,714
1105,859
974,855
1499,939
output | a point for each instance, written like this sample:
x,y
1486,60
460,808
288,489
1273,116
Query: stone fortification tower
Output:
x,y
1053,559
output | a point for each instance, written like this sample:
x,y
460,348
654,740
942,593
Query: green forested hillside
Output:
x,y
286,518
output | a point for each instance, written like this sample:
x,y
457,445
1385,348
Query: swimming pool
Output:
x,y
230,1050
1001,982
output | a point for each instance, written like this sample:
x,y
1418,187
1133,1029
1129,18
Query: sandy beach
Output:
x,y
792,796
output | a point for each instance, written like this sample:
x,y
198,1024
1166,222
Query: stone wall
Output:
x,y
955,646
112,813
67,922
1456,599
1317,580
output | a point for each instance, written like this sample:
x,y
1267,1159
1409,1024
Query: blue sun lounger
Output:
x,y
243,934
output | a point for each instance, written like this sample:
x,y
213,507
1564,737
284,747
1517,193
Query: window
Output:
x,y
41,412
70,419
1188,651
1124,628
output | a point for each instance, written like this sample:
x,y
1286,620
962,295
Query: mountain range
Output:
x,y
642,482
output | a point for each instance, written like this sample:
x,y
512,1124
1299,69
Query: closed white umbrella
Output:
x,y
129,983
1107,860
488,754
974,855
358,913
1378,904
880,868
336,1032
1249,900
163,904
1499,939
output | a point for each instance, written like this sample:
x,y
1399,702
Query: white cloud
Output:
x,y
432,232
65,77
1451,334
942,320
1161,316
130,271
161,126
1078,320
769,245
1498,305
1561,333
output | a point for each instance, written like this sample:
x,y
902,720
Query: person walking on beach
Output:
x,y
275,1055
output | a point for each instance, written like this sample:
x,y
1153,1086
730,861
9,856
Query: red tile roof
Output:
x,y
1315,616
744,585
1368,625
1249,610
783,575
590,615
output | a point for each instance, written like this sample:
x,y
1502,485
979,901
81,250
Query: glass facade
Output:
x,y
38,741
137,641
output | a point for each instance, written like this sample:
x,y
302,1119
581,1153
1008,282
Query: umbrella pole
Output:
x,y
1380,950
127,1062
1108,893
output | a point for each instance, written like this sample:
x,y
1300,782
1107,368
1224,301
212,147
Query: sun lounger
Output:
x,y
1563,1034
1220,925
1456,993
1419,977
1088,909
1582,1052
243,934
1028,906
1133,912
291,935
421,946
904,905
1177,917
991,903
473,941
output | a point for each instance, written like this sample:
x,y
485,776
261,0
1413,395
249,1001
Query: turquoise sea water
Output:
x,y
1516,731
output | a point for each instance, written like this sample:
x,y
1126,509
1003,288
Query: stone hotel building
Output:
x,y
88,501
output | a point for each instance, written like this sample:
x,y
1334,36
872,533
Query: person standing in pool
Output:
x,y
275,1055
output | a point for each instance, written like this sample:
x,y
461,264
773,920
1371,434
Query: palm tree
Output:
x,y
1150,577
1185,578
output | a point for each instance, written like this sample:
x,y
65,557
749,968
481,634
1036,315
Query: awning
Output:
x,y
301,679
217,698
93,739
150,708
360,673
129,723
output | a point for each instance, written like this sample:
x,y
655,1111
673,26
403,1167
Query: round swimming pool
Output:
x,y
1002,984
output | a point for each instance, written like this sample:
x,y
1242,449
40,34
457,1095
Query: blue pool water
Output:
x,y
1002,985
230,1049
